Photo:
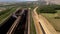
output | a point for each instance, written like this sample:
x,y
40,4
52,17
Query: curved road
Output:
x,y
38,19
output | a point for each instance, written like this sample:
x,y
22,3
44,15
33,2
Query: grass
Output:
x,y
51,18
4,16
5,11
32,27
52,14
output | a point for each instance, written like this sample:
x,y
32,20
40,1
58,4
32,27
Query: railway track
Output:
x,y
17,24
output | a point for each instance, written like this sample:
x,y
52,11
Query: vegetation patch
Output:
x,y
5,11
46,9
4,16
57,17
52,14
32,27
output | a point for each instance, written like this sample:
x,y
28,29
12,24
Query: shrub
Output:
x,y
46,9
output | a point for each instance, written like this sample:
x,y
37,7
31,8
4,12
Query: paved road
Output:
x,y
45,24
29,21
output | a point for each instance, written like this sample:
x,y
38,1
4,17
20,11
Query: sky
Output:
x,y
15,0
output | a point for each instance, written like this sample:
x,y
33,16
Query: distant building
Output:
x,y
42,2
52,2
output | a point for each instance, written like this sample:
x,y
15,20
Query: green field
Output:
x,y
54,19
5,14
32,27
52,14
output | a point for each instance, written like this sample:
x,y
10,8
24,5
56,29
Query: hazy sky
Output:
x,y
15,0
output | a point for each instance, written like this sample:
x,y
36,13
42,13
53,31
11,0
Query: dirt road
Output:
x,y
29,21
36,22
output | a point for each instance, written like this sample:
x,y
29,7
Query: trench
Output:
x,y
5,27
21,26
